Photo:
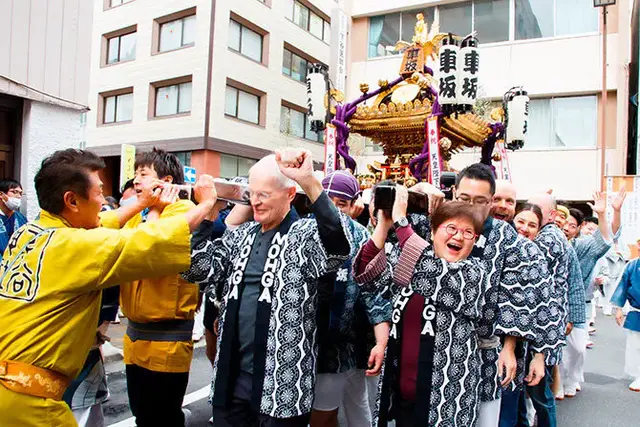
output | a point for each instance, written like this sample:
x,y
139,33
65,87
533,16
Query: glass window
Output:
x,y
409,20
456,18
121,48
173,99
228,166
315,25
248,107
178,33
569,122
286,62
539,124
491,20
118,108
234,35
534,19
298,68
576,17
244,165
184,99
118,2
184,157
327,32
296,123
113,50
251,44
231,101
301,16
384,31
308,133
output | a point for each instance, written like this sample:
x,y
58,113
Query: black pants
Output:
x,y
240,414
156,397
405,413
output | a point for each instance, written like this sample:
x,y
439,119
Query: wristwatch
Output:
x,y
401,222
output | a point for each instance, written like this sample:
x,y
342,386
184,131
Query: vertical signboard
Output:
x,y
127,163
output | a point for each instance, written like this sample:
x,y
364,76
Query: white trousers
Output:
x,y
198,326
89,417
573,357
489,414
632,354
347,390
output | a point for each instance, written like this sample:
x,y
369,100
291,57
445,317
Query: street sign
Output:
x,y
127,163
189,175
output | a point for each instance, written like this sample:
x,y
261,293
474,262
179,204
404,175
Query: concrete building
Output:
x,y
44,82
551,47
220,83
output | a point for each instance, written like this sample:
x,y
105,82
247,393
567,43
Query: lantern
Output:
x,y
316,91
448,72
517,110
468,66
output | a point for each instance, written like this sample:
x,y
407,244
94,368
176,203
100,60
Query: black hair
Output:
x,y
165,164
65,170
478,172
591,219
111,201
127,185
8,185
532,208
578,215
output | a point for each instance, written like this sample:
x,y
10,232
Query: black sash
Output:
x,y
227,370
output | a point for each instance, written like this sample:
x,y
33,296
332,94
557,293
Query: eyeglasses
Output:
x,y
452,230
260,196
479,201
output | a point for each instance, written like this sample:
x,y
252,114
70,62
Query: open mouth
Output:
x,y
499,216
454,247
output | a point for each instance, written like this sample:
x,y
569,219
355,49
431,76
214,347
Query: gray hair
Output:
x,y
269,165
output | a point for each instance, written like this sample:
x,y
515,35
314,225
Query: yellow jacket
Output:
x,y
159,299
50,294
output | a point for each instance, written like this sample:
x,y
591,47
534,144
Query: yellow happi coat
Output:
x,y
50,298
159,299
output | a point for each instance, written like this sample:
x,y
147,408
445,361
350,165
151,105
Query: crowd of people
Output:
x,y
472,313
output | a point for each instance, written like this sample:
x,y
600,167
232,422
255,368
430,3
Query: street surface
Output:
x,y
604,400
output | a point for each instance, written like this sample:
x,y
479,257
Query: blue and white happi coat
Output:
x,y
285,349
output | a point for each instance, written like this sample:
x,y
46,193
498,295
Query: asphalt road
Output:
x,y
604,400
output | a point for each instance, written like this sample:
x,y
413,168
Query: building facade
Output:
x,y
219,83
44,82
552,48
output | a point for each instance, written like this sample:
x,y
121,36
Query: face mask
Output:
x,y
130,201
13,203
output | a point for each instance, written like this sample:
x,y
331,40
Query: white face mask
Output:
x,y
13,203
130,201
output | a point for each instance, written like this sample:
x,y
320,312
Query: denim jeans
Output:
x,y
543,400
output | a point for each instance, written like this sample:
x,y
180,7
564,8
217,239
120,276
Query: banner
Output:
x,y
505,168
127,163
435,161
630,214
330,147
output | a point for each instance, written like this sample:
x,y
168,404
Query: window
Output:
x,y
456,18
569,122
118,108
177,33
309,21
386,30
372,147
184,157
294,66
173,99
245,41
113,3
491,20
548,18
233,166
121,48
295,123
242,105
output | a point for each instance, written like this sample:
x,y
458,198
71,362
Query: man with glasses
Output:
x,y
12,219
265,275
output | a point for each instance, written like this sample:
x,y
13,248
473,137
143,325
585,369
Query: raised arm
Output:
x,y
616,204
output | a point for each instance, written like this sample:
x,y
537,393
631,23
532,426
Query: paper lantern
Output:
x,y
517,109
316,91
468,66
448,72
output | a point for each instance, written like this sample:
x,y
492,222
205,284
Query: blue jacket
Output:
x,y
20,220
628,290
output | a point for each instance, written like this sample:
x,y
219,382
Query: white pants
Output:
x,y
89,417
632,354
573,357
489,414
349,390
198,326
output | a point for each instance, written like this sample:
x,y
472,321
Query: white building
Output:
x,y
551,47
44,81
220,86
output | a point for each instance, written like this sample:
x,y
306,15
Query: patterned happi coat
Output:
x,y
339,337
449,361
285,348
555,247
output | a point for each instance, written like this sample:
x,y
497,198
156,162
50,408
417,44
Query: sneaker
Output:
x,y
560,395
578,387
590,344
635,386
211,421
592,330
570,391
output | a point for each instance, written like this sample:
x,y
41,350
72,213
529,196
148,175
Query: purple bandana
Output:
x,y
342,185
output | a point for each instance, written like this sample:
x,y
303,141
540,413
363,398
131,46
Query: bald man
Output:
x,y
503,203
